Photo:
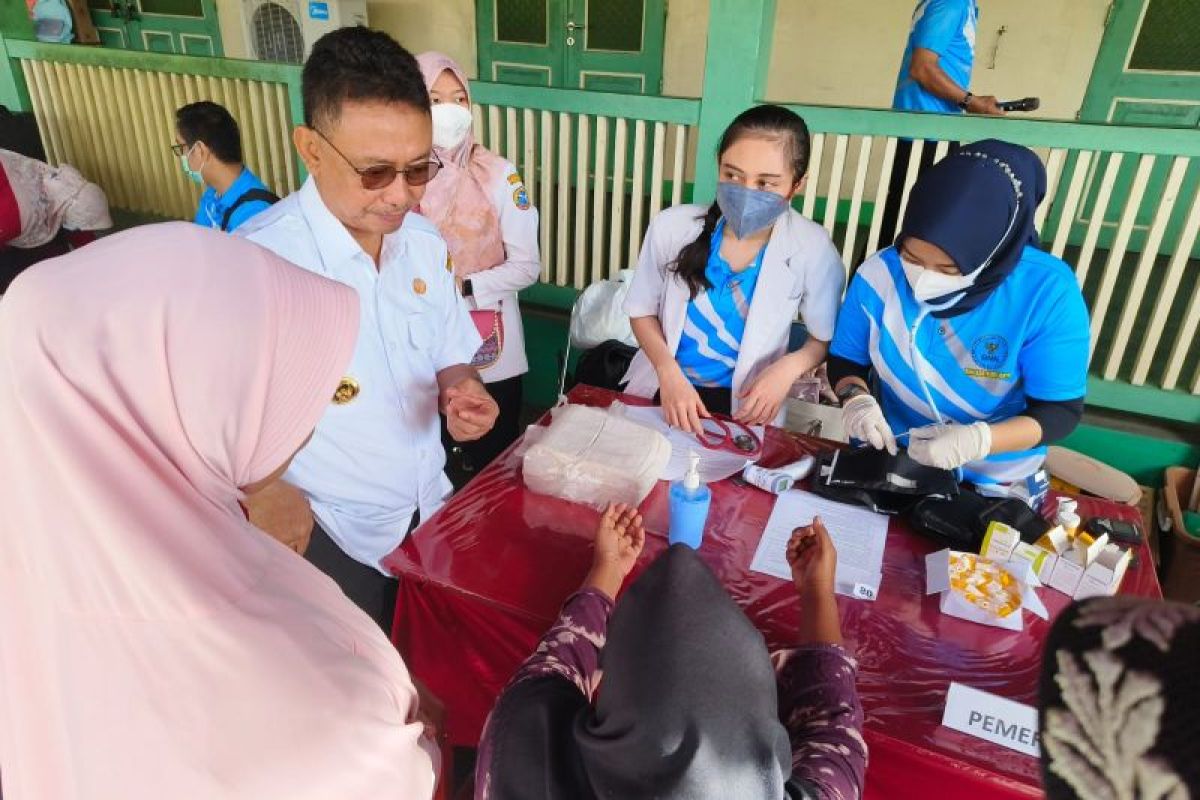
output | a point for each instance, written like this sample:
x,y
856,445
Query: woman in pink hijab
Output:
x,y
481,207
154,644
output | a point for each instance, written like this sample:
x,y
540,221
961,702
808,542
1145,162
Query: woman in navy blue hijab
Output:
x,y
978,339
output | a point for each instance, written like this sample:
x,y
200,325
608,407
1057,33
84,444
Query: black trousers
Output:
x,y
472,457
891,209
367,587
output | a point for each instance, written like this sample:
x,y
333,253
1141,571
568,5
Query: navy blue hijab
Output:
x,y
978,205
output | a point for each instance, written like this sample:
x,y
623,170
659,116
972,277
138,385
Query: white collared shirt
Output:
x,y
377,459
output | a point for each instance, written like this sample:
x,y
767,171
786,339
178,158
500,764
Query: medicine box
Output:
x,y
1054,541
1071,564
999,542
1103,576
1041,561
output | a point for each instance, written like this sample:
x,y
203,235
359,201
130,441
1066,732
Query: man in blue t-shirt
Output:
x,y
935,74
934,77
209,147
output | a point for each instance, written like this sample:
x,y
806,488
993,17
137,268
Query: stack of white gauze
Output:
x,y
594,456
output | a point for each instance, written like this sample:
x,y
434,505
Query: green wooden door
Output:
x,y
619,48
521,41
602,45
187,27
1147,73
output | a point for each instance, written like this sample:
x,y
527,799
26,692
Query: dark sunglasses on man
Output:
x,y
380,176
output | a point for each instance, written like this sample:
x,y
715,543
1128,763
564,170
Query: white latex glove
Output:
x,y
950,446
864,420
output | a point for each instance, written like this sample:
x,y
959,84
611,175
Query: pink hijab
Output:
x,y
152,643
458,201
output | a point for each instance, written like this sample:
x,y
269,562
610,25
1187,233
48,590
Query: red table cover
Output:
x,y
482,580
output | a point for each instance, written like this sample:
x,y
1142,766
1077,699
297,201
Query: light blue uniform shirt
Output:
x,y
947,27
1029,338
716,319
213,206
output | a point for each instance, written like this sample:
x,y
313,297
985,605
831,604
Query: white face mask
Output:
x,y
928,284
451,124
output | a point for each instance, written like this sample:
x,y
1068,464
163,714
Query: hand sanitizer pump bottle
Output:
x,y
689,506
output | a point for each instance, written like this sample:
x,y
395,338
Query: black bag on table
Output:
x,y
880,481
960,523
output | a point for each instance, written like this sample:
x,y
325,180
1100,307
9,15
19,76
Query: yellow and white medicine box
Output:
x,y
1054,541
979,590
999,542
1041,561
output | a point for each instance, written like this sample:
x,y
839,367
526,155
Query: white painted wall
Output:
x,y
446,25
419,25
683,50
233,39
828,52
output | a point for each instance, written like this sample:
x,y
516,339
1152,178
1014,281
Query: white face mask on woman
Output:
x,y
451,124
928,284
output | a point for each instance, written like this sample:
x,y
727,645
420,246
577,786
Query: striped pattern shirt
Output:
x,y
716,319
1029,338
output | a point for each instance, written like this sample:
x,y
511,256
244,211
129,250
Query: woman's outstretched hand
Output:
x,y
620,538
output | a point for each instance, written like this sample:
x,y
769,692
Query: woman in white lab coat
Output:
x,y
480,206
716,290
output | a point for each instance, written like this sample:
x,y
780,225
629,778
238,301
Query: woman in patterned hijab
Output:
x,y
1119,703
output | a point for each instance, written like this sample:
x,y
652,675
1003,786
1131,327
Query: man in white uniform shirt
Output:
x,y
375,463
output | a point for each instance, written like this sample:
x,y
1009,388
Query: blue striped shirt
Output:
x,y
1030,338
716,319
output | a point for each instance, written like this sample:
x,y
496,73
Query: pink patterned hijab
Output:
x,y
458,201
153,643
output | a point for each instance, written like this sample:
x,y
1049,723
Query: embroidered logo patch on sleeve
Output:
x,y
521,198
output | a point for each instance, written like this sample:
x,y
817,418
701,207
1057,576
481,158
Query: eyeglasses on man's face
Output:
x,y
380,176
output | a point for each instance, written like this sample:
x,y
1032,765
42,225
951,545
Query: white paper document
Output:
x,y
715,465
859,535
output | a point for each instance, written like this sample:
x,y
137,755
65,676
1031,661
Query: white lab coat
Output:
x,y
801,273
496,288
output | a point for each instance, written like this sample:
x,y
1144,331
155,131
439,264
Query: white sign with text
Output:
x,y
996,719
